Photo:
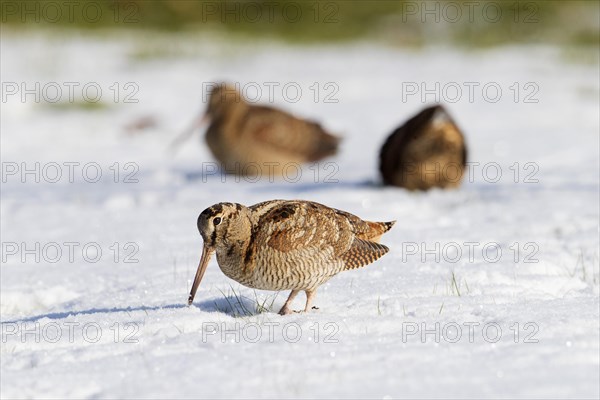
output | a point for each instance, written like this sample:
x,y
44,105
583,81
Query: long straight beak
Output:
x,y
183,136
207,252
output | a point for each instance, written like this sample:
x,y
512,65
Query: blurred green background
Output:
x,y
400,23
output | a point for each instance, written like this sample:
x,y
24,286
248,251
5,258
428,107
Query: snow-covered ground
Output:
x,y
420,322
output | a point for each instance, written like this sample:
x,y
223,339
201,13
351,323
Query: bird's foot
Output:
x,y
287,311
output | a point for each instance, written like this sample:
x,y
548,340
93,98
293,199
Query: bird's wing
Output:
x,y
283,132
318,231
293,225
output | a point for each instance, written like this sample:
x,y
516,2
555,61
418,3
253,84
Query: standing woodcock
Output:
x,y
257,140
286,245
427,151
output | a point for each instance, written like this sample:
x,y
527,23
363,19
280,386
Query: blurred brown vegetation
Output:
x,y
410,23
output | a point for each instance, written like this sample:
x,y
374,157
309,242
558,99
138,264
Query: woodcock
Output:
x,y
257,140
286,245
427,151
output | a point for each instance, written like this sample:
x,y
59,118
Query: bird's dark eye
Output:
x,y
217,221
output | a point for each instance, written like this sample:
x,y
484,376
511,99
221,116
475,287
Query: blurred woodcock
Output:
x,y
250,139
286,245
427,151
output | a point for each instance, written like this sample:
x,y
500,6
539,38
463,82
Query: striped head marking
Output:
x,y
218,223
221,226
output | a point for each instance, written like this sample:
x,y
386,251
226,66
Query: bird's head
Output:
x,y
223,226
222,97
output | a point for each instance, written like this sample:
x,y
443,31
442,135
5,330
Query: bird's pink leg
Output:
x,y
286,309
310,297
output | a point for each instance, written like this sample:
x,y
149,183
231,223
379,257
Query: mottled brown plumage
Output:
x,y
427,151
286,245
250,139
